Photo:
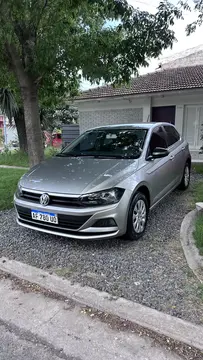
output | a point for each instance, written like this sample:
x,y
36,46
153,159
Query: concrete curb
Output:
x,y
194,260
13,167
150,319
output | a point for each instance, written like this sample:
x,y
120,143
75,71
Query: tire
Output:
x,y
185,182
137,217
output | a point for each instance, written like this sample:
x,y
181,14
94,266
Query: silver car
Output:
x,y
104,183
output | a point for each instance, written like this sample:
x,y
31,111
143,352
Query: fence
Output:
x,y
69,133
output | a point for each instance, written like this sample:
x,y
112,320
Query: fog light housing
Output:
x,y
105,223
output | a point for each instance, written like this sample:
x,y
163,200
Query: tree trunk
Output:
x,y
32,123
21,131
29,92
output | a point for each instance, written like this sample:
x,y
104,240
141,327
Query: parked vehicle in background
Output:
x,y
104,183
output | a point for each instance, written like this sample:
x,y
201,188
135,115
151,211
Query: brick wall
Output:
x,y
90,119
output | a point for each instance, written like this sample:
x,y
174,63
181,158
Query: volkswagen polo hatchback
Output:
x,y
104,183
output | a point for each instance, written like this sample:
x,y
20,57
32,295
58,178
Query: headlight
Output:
x,y
105,197
19,191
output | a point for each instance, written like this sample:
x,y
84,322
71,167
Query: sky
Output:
x,y
183,42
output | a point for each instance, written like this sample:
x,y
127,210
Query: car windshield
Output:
x,y
108,143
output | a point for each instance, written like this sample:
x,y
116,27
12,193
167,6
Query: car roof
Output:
x,y
132,126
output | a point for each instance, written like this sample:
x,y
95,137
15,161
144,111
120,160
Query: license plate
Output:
x,y
44,216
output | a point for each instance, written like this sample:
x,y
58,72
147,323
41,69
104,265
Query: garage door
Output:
x,y
90,119
193,120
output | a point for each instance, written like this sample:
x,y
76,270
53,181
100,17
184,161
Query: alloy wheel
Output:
x,y
187,176
139,216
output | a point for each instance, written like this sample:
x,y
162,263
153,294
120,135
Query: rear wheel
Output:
x,y
137,217
185,182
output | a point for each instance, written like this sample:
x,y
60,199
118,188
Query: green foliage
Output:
x,y
19,158
198,8
52,118
14,158
198,168
56,40
201,137
178,10
200,291
198,192
8,103
8,183
47,46
198,233
50,152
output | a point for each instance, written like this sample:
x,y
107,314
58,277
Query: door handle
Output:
x,y
172,157
183,148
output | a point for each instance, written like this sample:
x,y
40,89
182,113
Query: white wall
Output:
x,y
194,97
179,98
112,103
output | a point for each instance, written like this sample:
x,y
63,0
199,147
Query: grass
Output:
x,y
198,197
8,183
198,233
19,158
198,168
198,192
200,291
14,158
65,272
9,177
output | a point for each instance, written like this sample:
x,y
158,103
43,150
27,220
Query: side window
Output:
x,y
172,136
88,142
157,140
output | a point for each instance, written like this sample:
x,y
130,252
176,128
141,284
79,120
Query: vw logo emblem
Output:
x,y
44,199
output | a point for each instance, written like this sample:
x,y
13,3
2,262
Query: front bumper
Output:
x,y
84,218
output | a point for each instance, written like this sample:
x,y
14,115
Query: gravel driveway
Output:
x,y
151,271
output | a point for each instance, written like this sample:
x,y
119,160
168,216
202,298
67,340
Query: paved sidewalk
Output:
x,y
37,327
13,167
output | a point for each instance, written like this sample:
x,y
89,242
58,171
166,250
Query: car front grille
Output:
x,y
71,222
54,200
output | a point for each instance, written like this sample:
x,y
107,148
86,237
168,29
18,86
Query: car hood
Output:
x,y
77,175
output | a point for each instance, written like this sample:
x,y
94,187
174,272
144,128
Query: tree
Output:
x,y
21,130
54,42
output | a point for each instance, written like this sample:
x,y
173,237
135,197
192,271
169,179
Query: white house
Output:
x,y
174,95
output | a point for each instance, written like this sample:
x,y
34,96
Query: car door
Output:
x,y
158,171
175,147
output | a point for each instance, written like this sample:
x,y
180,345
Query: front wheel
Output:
x,y
185,182
137,217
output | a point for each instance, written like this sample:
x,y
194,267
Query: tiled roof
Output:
x,y
190,77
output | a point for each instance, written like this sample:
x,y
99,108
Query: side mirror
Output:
x,y
159,153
